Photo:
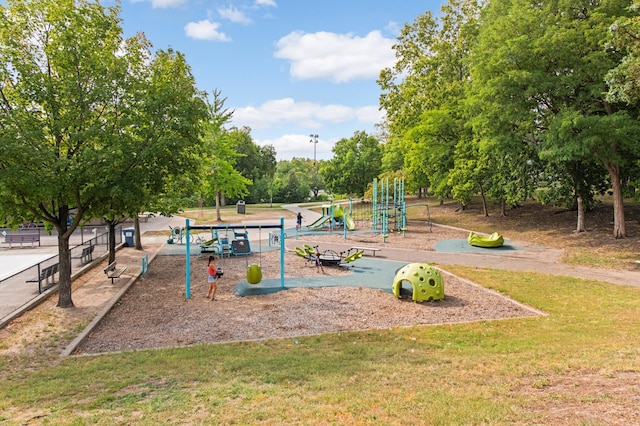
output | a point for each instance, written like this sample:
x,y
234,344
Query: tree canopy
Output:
x,y
511,98
85,113
356,162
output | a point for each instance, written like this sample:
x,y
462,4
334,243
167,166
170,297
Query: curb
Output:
x,y
105,310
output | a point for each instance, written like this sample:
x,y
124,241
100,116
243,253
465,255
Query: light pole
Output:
x,y
314,141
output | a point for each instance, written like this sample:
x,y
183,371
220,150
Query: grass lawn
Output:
x,y
580,364
500,372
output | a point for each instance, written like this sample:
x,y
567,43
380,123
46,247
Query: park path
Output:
x,y
544,261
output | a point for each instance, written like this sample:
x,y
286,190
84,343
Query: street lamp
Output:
x,y
314,141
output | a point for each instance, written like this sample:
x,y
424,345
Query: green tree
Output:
x,y
355,163
66,96
255,163
222,178
424,92
293,180
163,145
623,81
540,70
268,161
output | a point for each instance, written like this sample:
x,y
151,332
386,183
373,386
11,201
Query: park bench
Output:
x,y
86,256
113,271
46,275
21,238
373,250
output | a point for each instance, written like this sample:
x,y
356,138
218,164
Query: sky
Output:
x,y
287,68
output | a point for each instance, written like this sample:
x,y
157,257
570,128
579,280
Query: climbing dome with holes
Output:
x,y
425,280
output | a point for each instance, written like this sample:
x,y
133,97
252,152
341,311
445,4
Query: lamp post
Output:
x,y
314,141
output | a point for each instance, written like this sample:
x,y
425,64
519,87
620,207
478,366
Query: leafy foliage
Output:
x,y
356,162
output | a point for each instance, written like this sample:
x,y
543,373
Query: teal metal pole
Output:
x,y
282,251
374,222
188,265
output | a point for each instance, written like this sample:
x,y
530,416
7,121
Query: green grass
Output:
x,y
229,213
476,373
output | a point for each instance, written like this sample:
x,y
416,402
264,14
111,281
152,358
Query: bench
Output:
x,y
46,274
86,256
113,271
22,238
371,249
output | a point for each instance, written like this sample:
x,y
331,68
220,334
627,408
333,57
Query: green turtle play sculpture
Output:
x,y
426,282
487,241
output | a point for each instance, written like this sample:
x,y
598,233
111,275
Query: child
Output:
x,y
212,277
299,221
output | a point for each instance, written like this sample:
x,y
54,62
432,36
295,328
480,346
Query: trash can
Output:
x,y
241,207
128,236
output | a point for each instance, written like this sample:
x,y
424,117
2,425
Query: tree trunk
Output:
x,y
112,241
580,225
485,210
64,268
503,208
619,230
218,217
137,237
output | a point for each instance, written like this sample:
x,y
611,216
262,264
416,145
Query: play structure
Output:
x,y
487,241
328,257
425,280
333,216
221,245
238,246
176,235
389,210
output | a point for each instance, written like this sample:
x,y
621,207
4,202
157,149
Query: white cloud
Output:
x,y
297,145
162,4
271,3
205,30
393,28
234,15
337,57
310,115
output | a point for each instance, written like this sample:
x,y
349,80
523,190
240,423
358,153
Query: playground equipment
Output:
x,y
426,281
332,216
389,214
254,274
220,245
216,245
327,257
251,269
240,245
490,241
175,237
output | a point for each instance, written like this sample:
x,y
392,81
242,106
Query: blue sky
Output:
x,y
288,68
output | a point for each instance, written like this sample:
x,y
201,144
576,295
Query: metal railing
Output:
x,y
23,286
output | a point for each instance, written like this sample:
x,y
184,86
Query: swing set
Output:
x,y
254,271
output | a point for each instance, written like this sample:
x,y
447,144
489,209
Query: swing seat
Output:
x,y
254,274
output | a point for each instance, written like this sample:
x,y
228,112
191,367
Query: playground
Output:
x,y
334,299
